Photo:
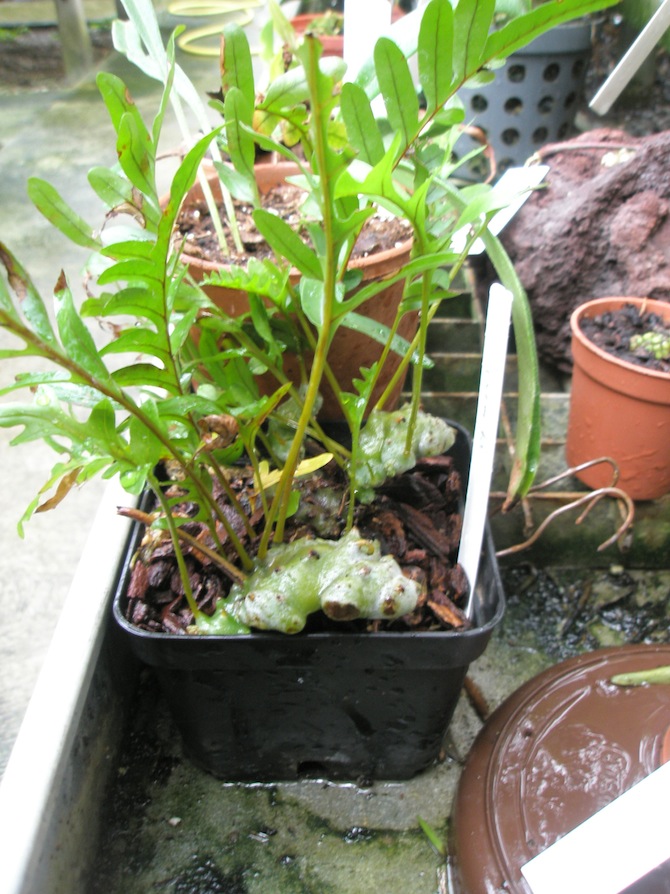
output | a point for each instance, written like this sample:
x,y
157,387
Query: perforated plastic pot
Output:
x,y
344,705
532,101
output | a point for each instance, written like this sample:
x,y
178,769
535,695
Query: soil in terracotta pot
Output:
x,y
380,233
415,517
613,331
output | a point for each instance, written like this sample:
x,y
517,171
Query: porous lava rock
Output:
x,y
601,227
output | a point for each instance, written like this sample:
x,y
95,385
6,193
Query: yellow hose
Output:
x,y
190,40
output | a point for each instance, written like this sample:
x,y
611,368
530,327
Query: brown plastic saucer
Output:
x,y
559,749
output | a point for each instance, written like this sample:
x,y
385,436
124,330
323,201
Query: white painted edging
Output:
x,y
39,760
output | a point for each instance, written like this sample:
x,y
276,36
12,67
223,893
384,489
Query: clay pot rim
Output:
x,y
592,308
394,257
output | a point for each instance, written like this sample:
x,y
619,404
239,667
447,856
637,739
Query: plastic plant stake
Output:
x,y
612,849
632,60
494,353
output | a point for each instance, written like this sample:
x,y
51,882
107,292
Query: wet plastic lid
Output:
x,y
559,749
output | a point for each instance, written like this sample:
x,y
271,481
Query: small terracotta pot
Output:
x,y
620,410
333,44
350,350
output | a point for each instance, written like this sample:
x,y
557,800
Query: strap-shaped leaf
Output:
x,y
397,87
134,149
237,185
182,181
286,243
376,331
359,120
236,65
77,341
291,88
157,125
119,102
111,187
435,50
241,146
312,299
32,305
49,202
472,23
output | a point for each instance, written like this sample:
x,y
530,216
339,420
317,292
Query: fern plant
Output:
x,y
174,388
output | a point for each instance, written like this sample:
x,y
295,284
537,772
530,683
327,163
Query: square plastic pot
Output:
x,y
269,707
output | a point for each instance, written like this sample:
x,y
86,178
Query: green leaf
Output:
x,y
416,267
112,188
182,181
32,305
133,147
236,65
521,31
133,270
286,243
133,302
312,300
237,185
144,375
376,331
157,125
101,425
286,91
359,120
398,90
48,202
472,23
119,102
139,340
137,248
75,337
435,50
241,146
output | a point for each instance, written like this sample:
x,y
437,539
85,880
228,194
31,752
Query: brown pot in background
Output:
x,y
333,44
619,409
564,745
350,350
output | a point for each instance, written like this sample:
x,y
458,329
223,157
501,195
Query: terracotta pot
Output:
x,y
333,44
563,746
350,350
620,410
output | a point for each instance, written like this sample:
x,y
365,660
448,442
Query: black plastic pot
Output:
x,y
266,706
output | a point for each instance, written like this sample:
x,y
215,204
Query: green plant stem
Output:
x,y
174,536
319,122
407,359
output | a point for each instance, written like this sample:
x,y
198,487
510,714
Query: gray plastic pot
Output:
x,y
532,101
